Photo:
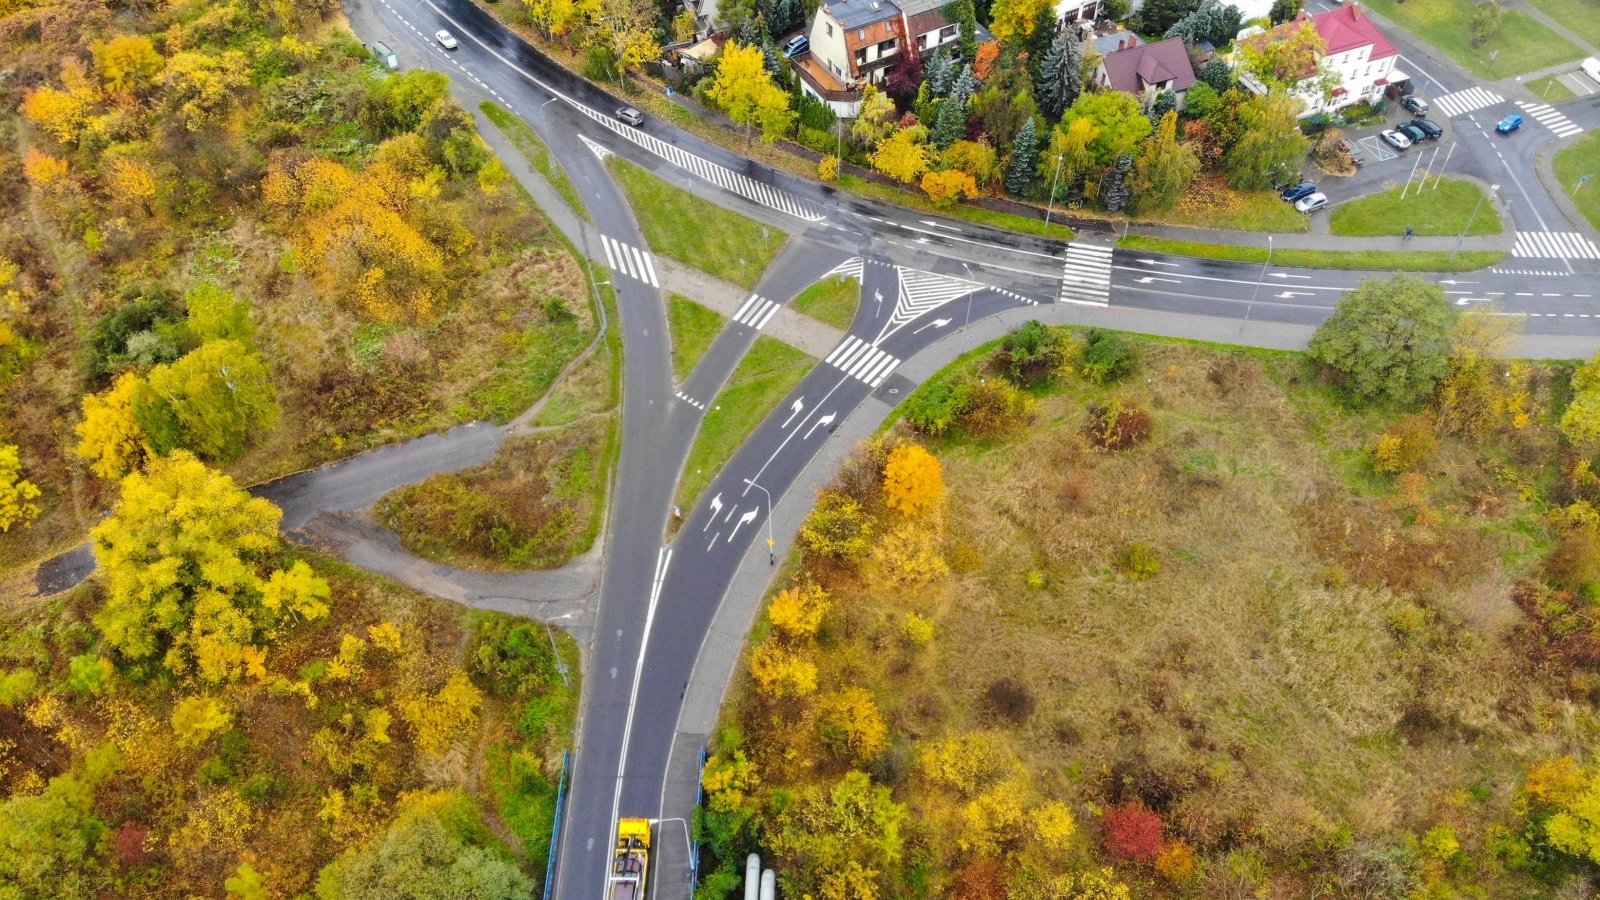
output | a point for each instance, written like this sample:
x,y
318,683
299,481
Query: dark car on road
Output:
x,y
1431,129
1410,130
1296,191
1416,105
1509,123
1395,139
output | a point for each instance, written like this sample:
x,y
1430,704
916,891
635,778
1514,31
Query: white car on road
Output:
x,y
445,39
1313,202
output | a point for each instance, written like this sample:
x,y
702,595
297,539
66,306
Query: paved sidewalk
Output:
x,y
1312,241
1554,25
796,329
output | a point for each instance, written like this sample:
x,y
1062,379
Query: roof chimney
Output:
x,y
1355,10
1122,44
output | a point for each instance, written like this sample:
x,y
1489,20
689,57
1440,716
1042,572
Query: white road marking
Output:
x,y
1465,101
1551,118
663,560
1086,275
1554,245
756,312
630,261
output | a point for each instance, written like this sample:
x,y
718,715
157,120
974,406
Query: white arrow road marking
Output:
x,y
794,410
937,225
825,420
1287,275
745,519
1157,262
716,507
936,323
1285,295
1453,281
1151,279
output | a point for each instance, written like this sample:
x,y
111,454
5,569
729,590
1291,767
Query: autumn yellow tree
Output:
x,y
780,672
109,436
43,170
127,62
902,156
197,718
851,724
64,111
747,93
201,88
948,186
913,481
131,182
16,493
438,720
797,612
838,528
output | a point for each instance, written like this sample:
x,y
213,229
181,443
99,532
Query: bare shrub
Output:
x,y
1117,424
1010,699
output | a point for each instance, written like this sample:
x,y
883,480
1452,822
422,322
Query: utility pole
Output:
x,y
1049,207
1467,227
772,545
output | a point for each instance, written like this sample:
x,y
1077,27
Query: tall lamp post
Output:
x,y
1263,276
969,296
1050,207
1468,227
688,842
772,545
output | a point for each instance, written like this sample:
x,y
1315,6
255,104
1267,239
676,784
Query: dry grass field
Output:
x,y
1304,667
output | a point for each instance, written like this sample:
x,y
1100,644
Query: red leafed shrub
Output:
x,y
1132,832
981,879
127,843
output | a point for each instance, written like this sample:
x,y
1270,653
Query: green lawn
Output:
x,y
1246,211
1581,17
1523,45
1551,89
1384,260
1440,211
697,232
1571,164
769,371
693,328
531,146
911,198
831,300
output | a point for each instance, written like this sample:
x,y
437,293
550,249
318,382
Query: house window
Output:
x,y
946,33
886,47
922,41
861,56
829,26
861,35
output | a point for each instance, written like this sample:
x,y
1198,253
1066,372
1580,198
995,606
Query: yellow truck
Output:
x,y
630,864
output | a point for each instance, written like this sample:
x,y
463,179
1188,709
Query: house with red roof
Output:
x,y
1357,61
1145,70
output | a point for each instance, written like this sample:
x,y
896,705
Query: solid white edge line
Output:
x,y
662,561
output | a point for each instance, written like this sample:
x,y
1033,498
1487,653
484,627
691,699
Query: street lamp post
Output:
x,y
1050,207
772,545
688,842
1263,276
1467,227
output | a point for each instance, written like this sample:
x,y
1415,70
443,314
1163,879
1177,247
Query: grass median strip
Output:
x,y
698,232
1378,260
769,371
832,300
1571,165
531,146
1440,208
693,328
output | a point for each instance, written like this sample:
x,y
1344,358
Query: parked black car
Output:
x,y
1295,191
1410,130
1431,129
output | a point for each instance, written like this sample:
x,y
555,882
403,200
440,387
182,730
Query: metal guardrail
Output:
x,y
555,825
694,842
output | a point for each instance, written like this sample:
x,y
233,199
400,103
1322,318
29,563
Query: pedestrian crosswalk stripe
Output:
x,y
862,361
1551,118
723,177
756,312
1086,275
1554,245
1501,270
630,261
1465,101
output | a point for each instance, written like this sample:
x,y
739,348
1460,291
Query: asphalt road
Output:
x,y
922,275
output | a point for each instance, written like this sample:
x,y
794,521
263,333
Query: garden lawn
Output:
x,y
1581,17
1211,203
1551,89
531,146
697,232
1571,164
1523,44
1382,260
1432,211
693,328
831,300
769,371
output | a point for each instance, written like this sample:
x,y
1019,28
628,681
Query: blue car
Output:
x,y
1303,189
1509,123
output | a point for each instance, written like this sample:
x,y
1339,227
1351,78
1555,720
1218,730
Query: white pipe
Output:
x,y
752,876
769,885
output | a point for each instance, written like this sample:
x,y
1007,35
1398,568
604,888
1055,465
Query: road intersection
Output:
x,y
922,278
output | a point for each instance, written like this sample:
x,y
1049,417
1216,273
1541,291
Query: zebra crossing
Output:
x,y
1462,102
862,361
723,177
1501,270
1551,118
697,404
630,261
1554,245
756,312
1086,275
